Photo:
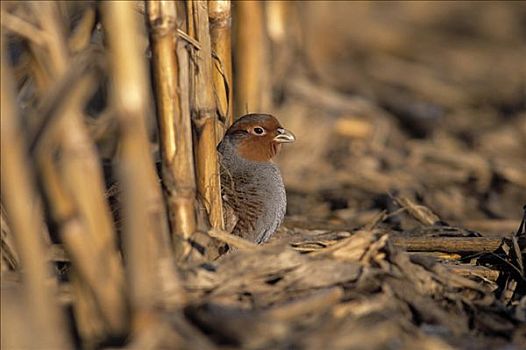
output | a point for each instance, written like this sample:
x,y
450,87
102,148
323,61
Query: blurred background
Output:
x,y
426,98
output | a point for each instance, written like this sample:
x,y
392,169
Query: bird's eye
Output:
x,y
259,131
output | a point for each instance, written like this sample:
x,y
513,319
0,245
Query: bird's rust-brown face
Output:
x,y
258,137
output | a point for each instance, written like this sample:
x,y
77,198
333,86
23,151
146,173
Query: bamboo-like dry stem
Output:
x,y
91,328
232,240
204,117
89,323
252,83
21,27
79,160
10,258
15,319
23,210
80,39
175,128
220,17
145,226
76,189
90,294
59,93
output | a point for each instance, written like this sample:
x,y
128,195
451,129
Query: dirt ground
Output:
x,y
421,98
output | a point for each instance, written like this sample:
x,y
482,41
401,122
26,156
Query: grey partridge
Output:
x,y
252,186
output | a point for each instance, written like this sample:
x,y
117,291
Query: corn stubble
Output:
x,y
119,276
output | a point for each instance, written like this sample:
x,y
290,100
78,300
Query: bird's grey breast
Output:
x,y
255,191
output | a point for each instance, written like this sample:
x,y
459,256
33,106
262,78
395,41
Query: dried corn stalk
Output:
x,y
220,17
146,238
175,128
204,115
74,183
10,258
45,321
252,83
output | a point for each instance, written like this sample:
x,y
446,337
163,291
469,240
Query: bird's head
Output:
x,y
258,137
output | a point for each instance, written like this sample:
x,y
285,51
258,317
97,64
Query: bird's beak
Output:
x,y
284,136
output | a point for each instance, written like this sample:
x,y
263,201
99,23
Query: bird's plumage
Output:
x,y
252,186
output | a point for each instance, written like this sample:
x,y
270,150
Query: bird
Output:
x,y
252,187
